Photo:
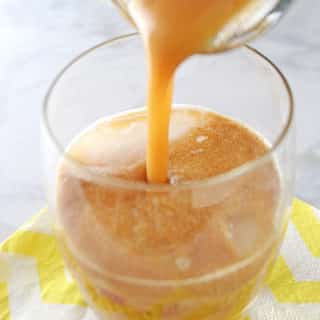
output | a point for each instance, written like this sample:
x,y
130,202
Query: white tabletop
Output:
x,y
38,37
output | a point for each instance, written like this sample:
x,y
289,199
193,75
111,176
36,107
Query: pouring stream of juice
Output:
x,y
173,30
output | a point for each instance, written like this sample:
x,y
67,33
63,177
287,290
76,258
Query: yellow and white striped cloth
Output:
x,y
35,285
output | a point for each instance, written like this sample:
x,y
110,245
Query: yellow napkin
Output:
x,y
35,285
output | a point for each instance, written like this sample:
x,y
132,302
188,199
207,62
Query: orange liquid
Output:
x,y
106,230
172,31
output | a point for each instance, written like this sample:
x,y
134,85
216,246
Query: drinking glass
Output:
x,y
244,210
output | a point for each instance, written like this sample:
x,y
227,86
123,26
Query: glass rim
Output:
x,y
127,184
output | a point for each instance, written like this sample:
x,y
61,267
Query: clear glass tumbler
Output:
x,y
245,210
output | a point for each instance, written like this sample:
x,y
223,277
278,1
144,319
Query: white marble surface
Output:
x,y
39,37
